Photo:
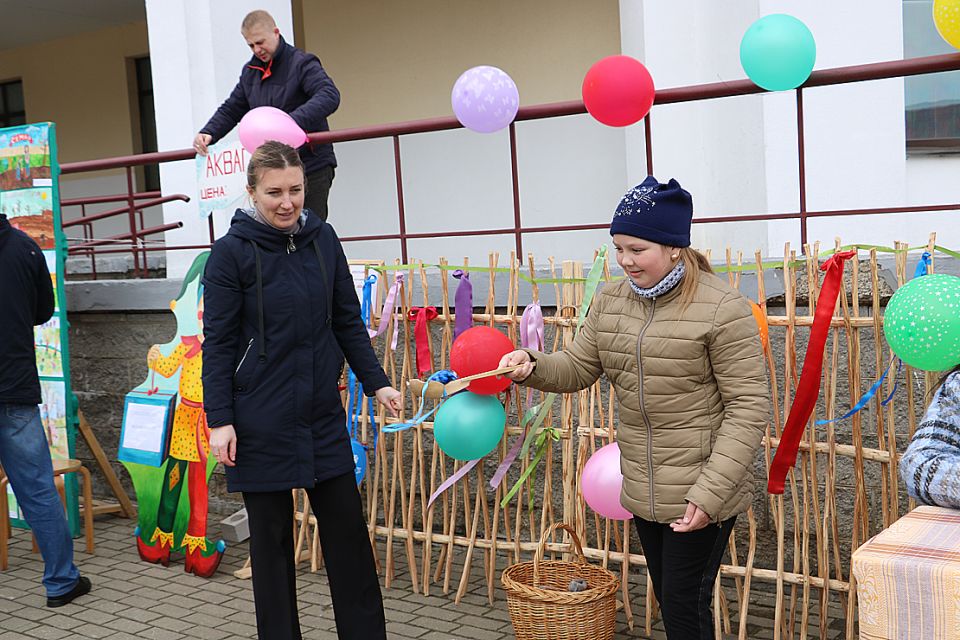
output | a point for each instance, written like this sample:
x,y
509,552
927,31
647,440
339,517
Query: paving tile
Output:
x,y
133,599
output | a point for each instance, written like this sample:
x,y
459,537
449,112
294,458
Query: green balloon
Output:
x,y
468,426
778,52
922,322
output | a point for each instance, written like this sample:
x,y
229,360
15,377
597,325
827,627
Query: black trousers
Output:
x,y
683,568
351,572
318,189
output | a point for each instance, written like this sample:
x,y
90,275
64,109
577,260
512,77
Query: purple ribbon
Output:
x,y
449,482
531,332
389,306
531,327
463,303
507,462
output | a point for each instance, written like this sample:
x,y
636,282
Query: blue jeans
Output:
x,y
25,456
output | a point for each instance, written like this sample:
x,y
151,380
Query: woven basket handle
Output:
x,y
541,549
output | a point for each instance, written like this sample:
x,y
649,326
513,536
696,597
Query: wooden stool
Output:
x,y
60,468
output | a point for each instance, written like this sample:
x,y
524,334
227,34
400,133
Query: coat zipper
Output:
x,y
290,246
237,370
643,411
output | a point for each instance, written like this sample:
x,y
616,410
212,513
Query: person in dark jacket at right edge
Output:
x,y
281,312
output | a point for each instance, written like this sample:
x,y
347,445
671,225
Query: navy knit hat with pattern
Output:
x,y
657,212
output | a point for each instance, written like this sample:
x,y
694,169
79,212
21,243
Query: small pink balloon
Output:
x,y
269,123
601,483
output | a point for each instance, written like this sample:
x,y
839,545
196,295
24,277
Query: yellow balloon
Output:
x,y
946,17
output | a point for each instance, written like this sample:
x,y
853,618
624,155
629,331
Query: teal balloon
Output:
x,y
468,426
778,52
922,322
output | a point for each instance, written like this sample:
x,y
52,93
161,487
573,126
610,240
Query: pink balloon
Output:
x,y
269,123
601,483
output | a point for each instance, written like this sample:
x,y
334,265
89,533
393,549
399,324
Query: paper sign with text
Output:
x,y
222,176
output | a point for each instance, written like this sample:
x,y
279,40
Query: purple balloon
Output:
x,y
601,483
485,99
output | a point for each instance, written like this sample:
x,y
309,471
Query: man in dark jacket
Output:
x,y
282,76
27,295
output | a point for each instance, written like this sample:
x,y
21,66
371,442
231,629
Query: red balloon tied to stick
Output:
x,y
618,91
477,350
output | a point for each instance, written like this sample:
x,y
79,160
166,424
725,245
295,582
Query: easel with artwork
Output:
x,y
30,198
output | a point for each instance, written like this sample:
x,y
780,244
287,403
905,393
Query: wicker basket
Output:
x,y
541,606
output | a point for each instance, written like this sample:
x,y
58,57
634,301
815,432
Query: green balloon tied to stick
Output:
x,y
922,322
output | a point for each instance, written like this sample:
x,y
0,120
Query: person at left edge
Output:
x,y
281,312
27,294
282,76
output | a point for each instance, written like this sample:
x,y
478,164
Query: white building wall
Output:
x,y
736,155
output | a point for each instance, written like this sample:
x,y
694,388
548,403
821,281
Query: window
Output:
x,y
148,121
12,110
932,100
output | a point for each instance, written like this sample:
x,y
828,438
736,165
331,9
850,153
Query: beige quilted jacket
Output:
x,y
692,391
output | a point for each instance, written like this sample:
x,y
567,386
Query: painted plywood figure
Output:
x,y
173,497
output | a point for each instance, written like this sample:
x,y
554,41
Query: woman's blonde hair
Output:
x,y
694,263
272,155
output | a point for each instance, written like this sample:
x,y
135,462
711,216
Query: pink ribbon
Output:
x,y
389,307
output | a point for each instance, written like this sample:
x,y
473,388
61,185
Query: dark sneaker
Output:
x,y
82,587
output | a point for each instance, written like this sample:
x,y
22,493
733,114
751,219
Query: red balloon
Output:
x,y
479,349
618,91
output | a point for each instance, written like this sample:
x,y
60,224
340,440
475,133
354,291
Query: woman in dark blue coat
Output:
x,y
280,313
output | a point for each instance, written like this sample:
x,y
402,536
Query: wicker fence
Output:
x,y
843,490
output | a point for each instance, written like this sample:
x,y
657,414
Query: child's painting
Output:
x,y
46,340
53,413
25,157
31,211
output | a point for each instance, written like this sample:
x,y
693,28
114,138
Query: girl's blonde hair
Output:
x,y
694,263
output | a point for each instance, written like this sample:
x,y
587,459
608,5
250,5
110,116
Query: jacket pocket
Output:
x,y
243,374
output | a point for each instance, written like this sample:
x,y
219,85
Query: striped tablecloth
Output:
x,y
908,578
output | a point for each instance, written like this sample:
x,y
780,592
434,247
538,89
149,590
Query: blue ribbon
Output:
x,y
923,267
354,386
872,392
443,376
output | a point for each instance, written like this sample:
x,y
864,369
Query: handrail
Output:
x,y
125,236
393,131
123,210
824,77
120,197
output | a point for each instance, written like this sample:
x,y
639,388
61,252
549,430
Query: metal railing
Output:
x,y
138,230
823,78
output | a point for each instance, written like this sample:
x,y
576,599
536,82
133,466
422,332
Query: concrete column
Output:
x,y
196,53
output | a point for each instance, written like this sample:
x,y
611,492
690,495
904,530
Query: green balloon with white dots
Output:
x,y
922,322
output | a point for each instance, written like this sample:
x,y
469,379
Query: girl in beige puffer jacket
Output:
x,y
682,352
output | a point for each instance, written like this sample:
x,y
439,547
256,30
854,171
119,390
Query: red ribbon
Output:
x,y
422,317
809,386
